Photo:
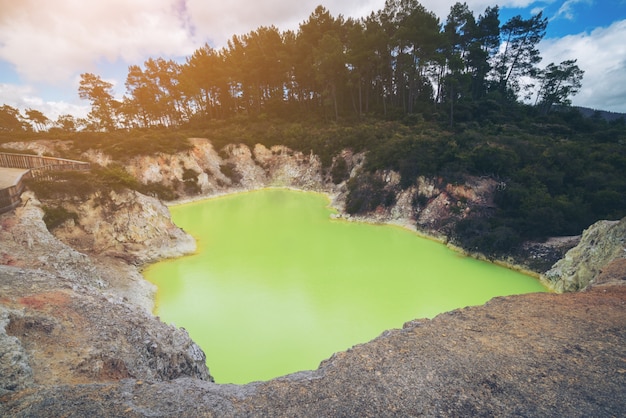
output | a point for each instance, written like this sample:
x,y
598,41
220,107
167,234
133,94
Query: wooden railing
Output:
x,y
27,161
38,167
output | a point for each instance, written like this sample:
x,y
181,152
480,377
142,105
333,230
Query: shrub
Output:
x,y
116,177
56,216
339,171
230,171
159,191
64,184
190,175
486,236
366,192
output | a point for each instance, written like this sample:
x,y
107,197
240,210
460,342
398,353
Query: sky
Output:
x,y
45,45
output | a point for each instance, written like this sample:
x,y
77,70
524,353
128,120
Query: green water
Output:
x,y
278,286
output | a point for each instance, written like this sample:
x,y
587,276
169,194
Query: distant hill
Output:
x,y
606,115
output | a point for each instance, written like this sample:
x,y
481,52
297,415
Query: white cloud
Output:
x,y
73,32
536,10
50,41
15,96
53,42
217,21
24,97
602,54
566,10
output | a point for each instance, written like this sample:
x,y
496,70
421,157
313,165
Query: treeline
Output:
x,y
421,97
398,61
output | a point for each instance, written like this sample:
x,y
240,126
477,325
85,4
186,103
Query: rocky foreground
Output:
x,y
77,337
533,355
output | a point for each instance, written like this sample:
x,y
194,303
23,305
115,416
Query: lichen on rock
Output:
x,y
601,244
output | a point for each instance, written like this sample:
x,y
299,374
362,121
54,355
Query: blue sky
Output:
x,y
45,46
572,17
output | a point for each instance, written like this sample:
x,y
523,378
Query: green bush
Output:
x,y
339,170
230,171
159,191
115,177
484,235
55,216
366,192
65,184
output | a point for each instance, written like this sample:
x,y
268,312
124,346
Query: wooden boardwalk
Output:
x,y
14,168
10,176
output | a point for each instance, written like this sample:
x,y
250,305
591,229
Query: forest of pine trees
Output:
x,y
398,61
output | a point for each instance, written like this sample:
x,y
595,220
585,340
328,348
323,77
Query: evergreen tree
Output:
x,y
100,93
520,56
39,120
11,119
558,84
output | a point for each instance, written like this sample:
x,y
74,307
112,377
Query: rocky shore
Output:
x,y
77,337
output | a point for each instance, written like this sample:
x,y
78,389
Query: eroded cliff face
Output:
x,y
67,317
127,225
429,205
234,168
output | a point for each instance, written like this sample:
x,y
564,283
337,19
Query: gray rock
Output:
x,y
15,371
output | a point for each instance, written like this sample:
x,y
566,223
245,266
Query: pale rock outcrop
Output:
x,y
250,175
55,331
26,242
289,168
68,318
404,210
235,167
426,187
430,217
127,225
209,162
97,157
601,244
171,170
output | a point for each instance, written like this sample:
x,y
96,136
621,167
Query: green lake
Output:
x,y
277,285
